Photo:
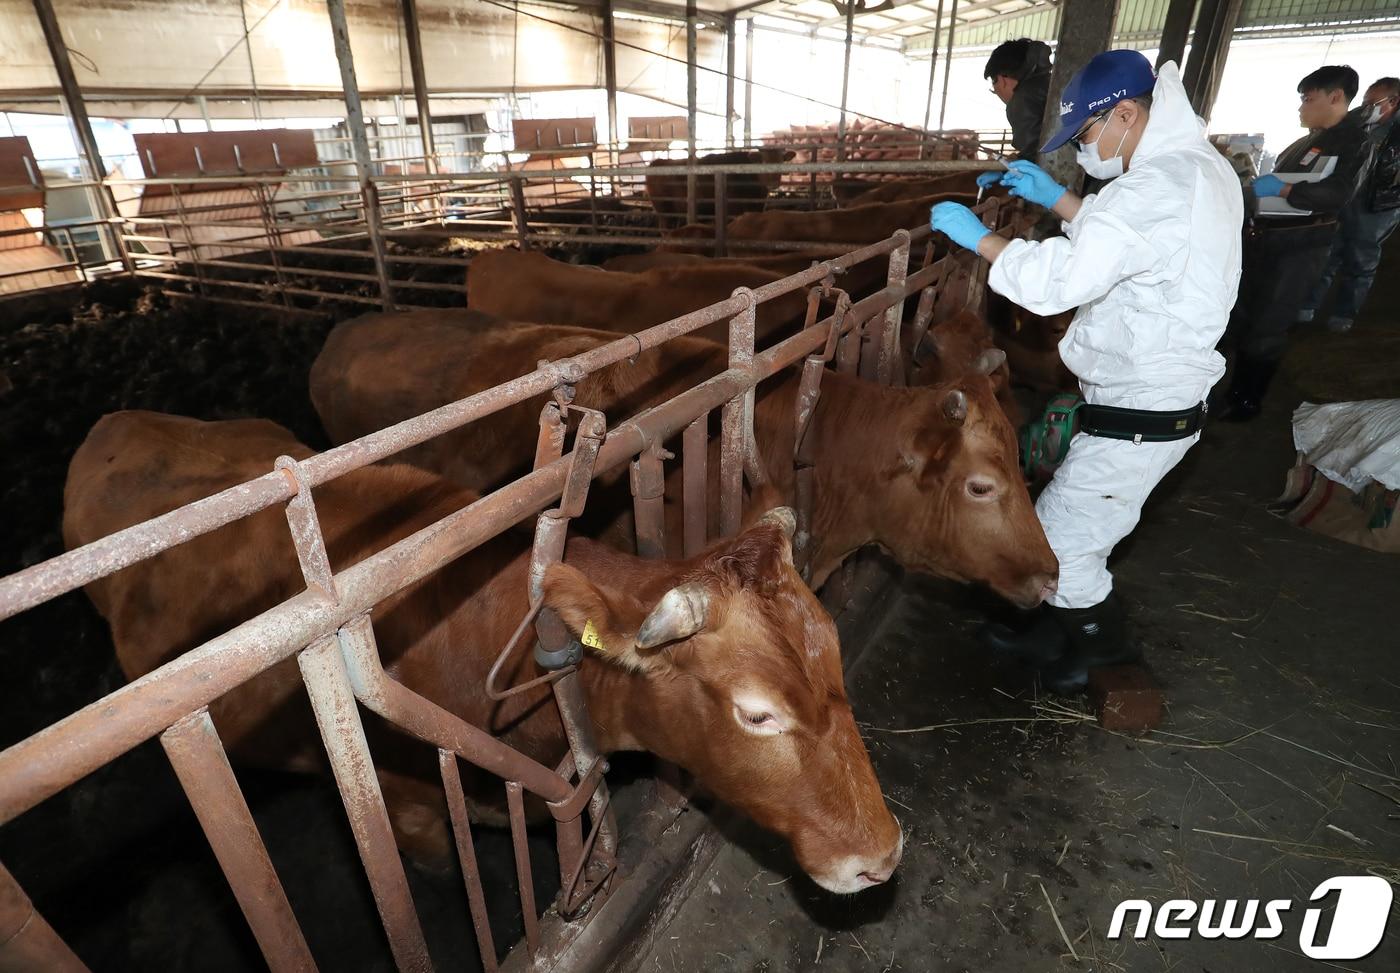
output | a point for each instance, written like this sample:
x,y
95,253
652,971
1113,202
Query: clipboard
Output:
x,y
1278,206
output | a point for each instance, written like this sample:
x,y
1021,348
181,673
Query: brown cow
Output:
x,y
900,189
1031,343
528,286
744,192
857,225
928,473
859,281
725,663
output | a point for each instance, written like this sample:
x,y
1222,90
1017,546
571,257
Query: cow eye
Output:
x,y
983,490
757,721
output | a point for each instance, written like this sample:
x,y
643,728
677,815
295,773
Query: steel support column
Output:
x,y
932,72
748,82
729,26
1215,24
1175,31
420,83
948,65
104,204
359,144
610,75
691,97
1086,29
845,80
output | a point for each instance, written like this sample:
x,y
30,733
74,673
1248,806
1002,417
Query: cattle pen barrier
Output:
x,y
327,627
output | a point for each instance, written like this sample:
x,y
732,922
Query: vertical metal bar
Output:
x,y
274,239
648,480
691,95
736,421
517,205
27,941
105,203
420,83
932,71
948,67
845,80
748,82
466,856
359,145
333,700
887,368
695,460
516,805
729,26
610,80
203,769
721,215
189,238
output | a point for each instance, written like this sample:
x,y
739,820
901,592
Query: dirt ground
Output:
x,y
1277,767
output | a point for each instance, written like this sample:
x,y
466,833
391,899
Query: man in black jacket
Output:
x,y
1020,74
1369,218
1295,212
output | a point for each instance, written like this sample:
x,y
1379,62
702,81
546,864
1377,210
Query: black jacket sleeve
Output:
x,y
1024,113
1331,194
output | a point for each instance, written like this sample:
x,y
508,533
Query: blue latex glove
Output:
x,y
989,179
1269,185
1032,183
959,223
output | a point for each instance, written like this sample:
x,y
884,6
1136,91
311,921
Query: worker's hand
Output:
x,y
1270,185
989,179
959,223
1032,183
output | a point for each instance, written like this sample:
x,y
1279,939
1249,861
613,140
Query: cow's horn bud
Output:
x,y
955,406
782,517
679,614
990,360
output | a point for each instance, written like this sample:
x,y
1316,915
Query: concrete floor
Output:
x,y
1278,765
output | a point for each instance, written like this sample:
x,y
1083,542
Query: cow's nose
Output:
x,y
1051,585
878,878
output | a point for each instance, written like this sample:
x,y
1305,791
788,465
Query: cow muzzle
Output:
x,y
853,873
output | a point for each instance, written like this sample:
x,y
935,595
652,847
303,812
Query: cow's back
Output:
x,y
856,225
136,465
384,367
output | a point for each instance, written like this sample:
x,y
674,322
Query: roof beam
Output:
x,y
978,5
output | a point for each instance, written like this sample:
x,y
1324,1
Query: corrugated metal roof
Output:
x,y
985,23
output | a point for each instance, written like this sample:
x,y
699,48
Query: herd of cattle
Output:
x,y
723,663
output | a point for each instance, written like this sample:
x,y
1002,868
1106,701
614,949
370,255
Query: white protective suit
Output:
x,y
1153,263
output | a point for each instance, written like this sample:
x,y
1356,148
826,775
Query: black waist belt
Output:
x,y
1141,425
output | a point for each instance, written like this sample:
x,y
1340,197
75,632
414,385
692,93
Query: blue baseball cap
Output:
x,y
1107,79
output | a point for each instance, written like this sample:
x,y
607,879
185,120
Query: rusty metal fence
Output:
x,y
328,629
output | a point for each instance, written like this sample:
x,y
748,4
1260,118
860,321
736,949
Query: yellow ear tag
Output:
x,y
590,636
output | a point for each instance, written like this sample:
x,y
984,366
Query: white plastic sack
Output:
x,y
1352,443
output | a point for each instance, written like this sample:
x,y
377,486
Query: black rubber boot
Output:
x,y
1248,386
1039,643
1096,637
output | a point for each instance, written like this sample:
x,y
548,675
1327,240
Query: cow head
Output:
x,y
735,674
773,156
959,345
957,505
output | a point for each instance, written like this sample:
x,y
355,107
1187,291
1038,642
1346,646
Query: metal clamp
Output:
x,y
570,655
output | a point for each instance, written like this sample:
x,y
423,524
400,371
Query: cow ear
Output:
x,y
619,627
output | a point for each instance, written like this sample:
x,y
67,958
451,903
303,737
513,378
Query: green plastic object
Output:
x,y
1045,441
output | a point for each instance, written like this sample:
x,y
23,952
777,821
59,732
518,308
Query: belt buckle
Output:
x,y
1137,439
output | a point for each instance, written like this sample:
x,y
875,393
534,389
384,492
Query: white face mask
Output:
x,y
1374,116
1088,158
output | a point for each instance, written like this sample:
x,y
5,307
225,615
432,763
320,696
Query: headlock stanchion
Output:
x,y
328,627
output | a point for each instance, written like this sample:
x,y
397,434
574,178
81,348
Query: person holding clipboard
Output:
x,y
1294,212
